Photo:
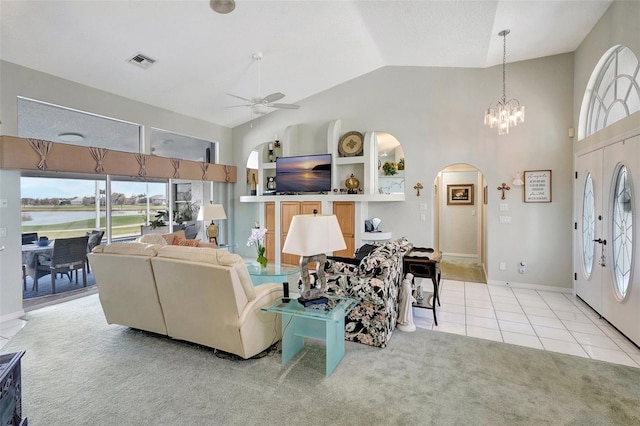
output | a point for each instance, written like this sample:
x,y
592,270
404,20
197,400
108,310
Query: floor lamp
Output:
x,y
212,212
311,236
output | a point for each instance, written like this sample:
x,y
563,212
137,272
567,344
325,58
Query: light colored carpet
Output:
x,y
461,269
80,371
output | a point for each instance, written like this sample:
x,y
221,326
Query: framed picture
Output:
x,y
537,186
486,194
460,194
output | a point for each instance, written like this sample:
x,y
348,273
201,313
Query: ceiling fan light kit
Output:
x,y
260,105
222,6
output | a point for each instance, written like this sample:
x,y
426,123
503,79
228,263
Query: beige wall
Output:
x,y
437,116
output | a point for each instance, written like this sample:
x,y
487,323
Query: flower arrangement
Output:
x,y
256,239
389,169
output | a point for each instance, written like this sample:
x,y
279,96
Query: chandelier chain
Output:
x,y
504,67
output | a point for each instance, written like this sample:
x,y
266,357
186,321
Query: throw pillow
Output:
x,y
189,243
153,239
365,250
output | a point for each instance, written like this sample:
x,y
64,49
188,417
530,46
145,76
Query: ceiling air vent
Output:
x,y
141,60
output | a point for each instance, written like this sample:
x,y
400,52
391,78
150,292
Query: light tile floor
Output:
x,y
546,320
8,329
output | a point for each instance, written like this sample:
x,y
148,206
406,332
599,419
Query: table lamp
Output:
x,y
212,212
311,236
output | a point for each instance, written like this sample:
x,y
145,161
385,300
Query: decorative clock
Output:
x,y
351,144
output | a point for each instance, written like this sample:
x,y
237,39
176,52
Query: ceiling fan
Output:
x,y
260,105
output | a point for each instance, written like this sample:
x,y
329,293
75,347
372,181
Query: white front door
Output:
x,y
589,241
607,232
621,286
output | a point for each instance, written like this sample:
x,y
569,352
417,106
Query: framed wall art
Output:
x,y
461,194
537,186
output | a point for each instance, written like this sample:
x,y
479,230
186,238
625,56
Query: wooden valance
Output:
x,y
32,154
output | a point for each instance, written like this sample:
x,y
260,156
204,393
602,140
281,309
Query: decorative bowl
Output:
x,y
42,243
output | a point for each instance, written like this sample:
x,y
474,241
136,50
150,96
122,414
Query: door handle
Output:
x,y
601,241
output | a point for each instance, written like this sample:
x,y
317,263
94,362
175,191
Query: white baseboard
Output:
x,y
530,286
12,316
473,255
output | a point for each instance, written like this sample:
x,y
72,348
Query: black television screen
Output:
x,y
305,173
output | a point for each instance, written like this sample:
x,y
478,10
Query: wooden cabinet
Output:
x,y
270,236
345,212
288,209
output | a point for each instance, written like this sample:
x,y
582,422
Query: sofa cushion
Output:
x,y
213,257
131,248
152,239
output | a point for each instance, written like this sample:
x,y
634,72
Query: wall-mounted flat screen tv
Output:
x,y
305,173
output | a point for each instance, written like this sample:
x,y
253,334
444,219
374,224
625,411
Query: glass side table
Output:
x,y
273,273
327,325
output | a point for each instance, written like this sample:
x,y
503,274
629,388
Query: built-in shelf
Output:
x,y
365,198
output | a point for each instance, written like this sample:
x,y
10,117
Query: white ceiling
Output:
x,y
308,45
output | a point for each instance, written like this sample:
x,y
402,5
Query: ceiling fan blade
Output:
x,y
237,106
285,106
273,97
239,97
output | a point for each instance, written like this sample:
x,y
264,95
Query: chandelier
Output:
x,y
505,113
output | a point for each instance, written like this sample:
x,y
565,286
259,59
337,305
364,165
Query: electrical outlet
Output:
x,y
3,203
503,266
505,219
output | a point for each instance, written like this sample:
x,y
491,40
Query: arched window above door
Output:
x,y
613,92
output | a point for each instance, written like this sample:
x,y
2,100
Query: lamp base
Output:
x,y
315,301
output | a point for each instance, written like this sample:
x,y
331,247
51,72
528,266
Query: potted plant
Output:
x,y
401,164
389,169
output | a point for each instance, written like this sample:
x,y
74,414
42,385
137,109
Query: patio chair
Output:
x,y
27,238
95,238
69,254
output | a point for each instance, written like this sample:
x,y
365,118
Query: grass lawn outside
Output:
x,y
120,226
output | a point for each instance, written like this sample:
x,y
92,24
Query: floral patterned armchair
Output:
x,y
375,280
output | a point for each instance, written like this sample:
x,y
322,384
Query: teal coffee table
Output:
x,y
273,273
299,322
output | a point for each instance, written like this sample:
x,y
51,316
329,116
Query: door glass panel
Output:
x,y
622,232
588,226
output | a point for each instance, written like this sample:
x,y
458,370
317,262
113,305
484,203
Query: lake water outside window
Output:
x,y
63,208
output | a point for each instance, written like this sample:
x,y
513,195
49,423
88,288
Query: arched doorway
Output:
x,y
460,222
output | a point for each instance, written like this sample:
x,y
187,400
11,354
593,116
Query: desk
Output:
x,y
425,263
30,254
375,236
299,322
273,273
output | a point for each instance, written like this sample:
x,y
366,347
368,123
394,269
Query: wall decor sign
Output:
x,y
537,186
460,194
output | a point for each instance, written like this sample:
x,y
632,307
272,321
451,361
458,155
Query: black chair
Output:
x,y
69,254
27,238
95,238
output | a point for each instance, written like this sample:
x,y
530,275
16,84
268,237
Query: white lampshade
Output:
x,y
310,235
211,212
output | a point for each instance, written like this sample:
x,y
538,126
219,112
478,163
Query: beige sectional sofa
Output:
x,y
200,295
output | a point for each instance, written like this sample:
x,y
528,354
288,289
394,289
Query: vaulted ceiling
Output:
x,y
308,45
